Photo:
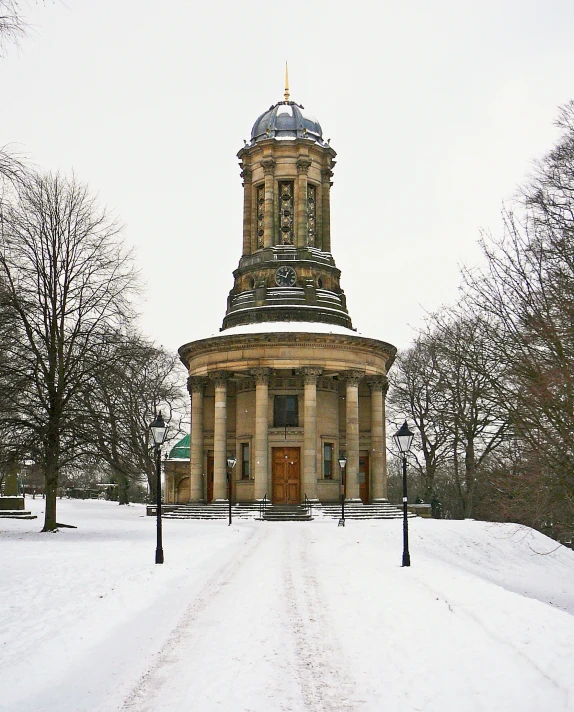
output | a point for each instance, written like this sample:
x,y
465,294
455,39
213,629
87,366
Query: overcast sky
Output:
x,y
436,109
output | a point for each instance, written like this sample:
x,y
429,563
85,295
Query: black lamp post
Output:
x,y
342,464
231,462
158,430
403,439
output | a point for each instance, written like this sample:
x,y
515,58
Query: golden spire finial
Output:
x,y
286,82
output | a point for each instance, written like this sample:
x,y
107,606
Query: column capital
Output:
x,y
326,175
378,383
303,165
246,174
196,384
261,375
220,378
353,377
268,166
310,374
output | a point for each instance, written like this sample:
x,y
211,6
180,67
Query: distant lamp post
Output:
x,y
342,465
158,431
231,462
403,439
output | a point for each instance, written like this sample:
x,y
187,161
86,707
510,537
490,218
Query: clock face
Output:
x,y
285,277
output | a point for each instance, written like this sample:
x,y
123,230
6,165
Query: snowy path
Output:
x,y
256,637
283,617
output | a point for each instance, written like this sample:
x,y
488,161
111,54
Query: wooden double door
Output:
x,y
286,475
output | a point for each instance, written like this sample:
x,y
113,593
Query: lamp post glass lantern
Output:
x,y
231,462
158,431
342,465
403,439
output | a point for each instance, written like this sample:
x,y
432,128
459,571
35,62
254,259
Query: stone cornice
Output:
x,y
247,342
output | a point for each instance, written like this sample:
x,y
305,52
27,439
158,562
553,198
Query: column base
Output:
x,y
219,501
380,500
354,500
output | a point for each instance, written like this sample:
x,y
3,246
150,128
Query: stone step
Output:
x,y
278,512
17,514
358,510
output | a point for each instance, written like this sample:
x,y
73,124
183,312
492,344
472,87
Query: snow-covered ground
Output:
x,y
297,617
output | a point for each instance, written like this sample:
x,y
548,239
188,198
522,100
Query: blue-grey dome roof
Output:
x,y
287,120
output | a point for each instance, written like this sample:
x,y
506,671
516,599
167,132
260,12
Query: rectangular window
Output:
x,y
245,474
286,212
328,461
285,411
260,215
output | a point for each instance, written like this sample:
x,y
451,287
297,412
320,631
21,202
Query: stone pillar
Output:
x,y
247,210
269,170
220,436
261,470
309,481
301,235
326,210
352,417
196,387
378,460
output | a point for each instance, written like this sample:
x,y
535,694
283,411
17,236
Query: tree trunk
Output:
x,y
51,479
470,478
123,488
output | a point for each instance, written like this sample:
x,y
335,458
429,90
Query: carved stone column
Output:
x,y
301,236
260,471
269,171
352,417
196,388
220,379
309,482
378,464
326,209
248,247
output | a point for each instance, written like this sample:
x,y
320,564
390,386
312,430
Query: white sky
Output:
x,y
436,110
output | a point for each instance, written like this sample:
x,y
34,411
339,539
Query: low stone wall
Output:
x,y
421,510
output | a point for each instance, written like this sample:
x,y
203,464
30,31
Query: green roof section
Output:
x,y
180,451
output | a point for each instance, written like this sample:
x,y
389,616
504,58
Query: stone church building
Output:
x,y
287,386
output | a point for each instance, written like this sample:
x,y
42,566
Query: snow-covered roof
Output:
x,y
301,327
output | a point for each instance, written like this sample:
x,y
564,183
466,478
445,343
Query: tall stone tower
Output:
x,y
287,386
286,271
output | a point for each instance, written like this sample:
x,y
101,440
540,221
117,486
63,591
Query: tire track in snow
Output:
x,y
320,661
145,693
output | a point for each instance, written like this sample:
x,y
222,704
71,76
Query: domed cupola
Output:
x,y
287,120
286,271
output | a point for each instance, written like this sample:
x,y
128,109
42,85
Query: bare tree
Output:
x,y
123,395
476,417
447,384
12,24
418,392
67,282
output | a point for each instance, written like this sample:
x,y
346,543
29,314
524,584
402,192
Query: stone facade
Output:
x,y
288,386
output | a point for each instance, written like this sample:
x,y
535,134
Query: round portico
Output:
x,y
287,386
